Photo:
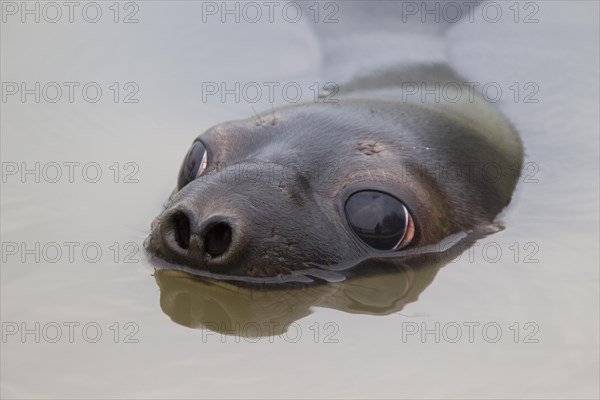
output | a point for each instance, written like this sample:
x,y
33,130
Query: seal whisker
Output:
x,y
274,120
259,119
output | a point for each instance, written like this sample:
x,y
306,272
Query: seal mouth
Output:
x,y
322,274
301,276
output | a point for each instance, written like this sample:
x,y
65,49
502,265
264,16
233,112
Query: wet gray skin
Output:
x,y
272,196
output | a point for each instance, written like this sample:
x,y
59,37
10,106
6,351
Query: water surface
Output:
x,y
537,298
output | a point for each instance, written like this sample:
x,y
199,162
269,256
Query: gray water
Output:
x,y
515,316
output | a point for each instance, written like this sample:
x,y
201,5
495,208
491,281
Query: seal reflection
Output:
x,y
377,286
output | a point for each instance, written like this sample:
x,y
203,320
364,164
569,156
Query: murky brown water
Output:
x,y
83,316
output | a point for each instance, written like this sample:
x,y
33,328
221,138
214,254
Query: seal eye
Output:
x,y
193,165
379,219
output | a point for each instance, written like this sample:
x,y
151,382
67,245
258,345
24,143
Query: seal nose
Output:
x,y
217,239
215,234
181,228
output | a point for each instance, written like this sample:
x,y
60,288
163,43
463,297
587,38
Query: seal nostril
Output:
x,y
217,239
182,230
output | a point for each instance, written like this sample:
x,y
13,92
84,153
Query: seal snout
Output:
x,y
182,238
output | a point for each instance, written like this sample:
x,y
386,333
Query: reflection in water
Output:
x,y
375,286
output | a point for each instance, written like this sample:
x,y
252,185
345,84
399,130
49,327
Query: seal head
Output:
x,y
331,183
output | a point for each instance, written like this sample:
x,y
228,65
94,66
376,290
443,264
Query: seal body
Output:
x,y
269,195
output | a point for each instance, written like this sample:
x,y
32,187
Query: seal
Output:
x,y
385,169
